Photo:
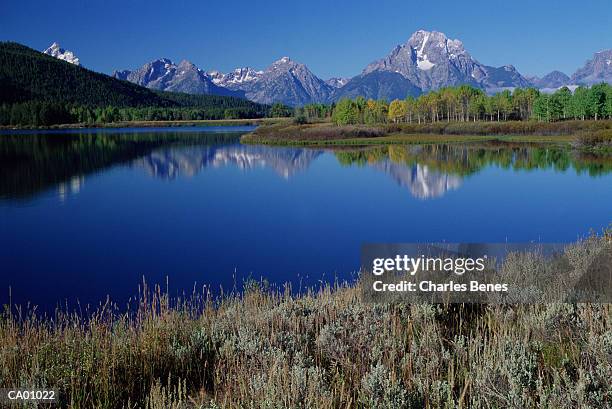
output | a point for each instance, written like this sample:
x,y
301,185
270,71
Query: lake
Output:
x,y
89,213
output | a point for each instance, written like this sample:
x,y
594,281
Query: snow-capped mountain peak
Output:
x,y
283,63
430,60
61,54
235,77
433,47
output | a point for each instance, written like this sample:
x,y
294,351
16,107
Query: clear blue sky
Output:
x,y
334,38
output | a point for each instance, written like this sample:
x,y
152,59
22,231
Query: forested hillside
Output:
x,y
36,89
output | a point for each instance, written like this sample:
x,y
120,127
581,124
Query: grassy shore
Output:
x,y
582,134
161,124
326,348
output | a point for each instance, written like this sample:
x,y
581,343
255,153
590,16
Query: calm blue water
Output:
x,y
88,214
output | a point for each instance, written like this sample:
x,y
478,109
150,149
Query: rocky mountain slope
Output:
x,y
337,82
377,85
285,81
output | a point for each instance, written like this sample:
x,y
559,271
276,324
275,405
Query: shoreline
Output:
x,y
415,139
156,124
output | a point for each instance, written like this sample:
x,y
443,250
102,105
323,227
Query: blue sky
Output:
x,y
334,38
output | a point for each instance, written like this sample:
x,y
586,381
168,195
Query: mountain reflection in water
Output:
x,y
422,181
31,164
188,161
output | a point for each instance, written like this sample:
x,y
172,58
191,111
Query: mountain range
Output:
x,y
164,75
429,60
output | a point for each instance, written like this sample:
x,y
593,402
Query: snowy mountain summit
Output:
x,y
58,52
234,79
431,60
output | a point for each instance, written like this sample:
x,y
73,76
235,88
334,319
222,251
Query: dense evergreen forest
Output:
x,y
36,89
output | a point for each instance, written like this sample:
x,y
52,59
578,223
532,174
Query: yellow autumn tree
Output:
x,y
397,110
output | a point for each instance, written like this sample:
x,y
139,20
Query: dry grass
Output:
x,y
594,140
589,133
327,348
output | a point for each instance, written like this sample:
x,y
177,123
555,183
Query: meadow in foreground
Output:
x,y
325,348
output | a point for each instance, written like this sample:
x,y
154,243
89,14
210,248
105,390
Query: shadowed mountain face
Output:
x,y
377,85
554,79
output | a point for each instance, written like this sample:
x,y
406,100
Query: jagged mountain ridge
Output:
x,y
236,78
54,50
284,81
164,75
